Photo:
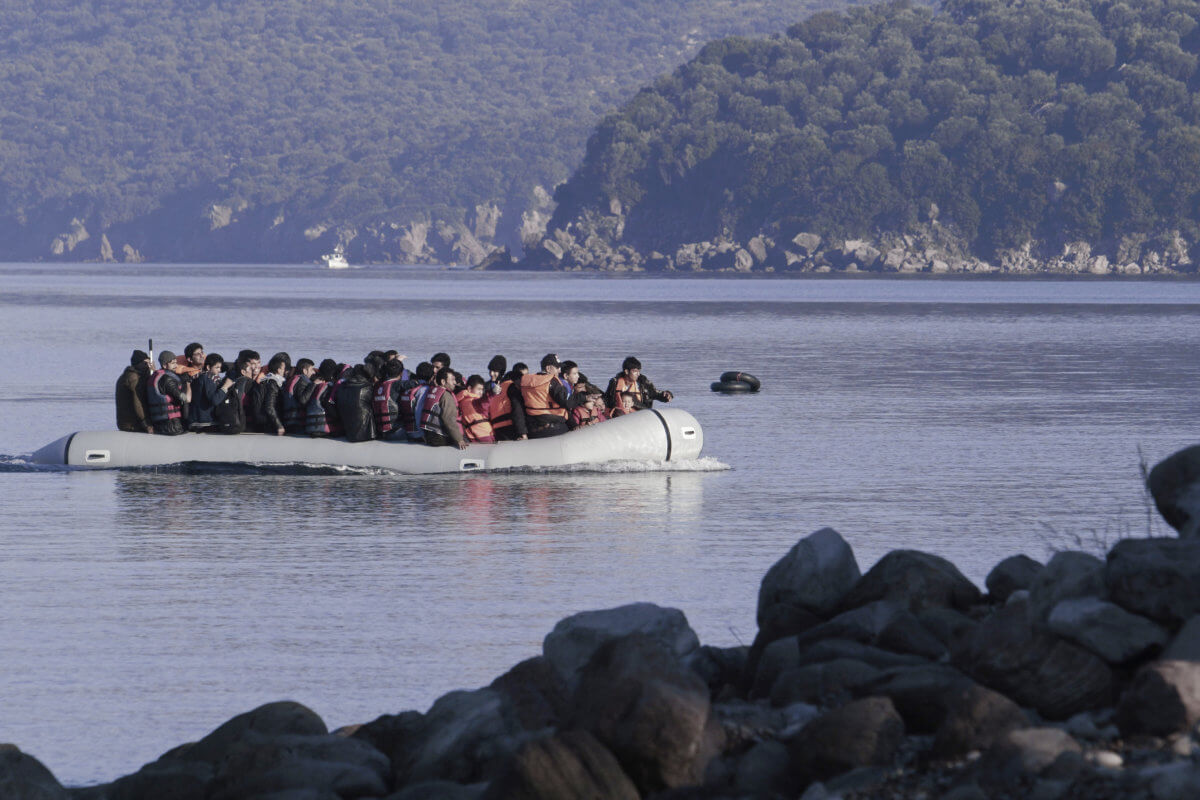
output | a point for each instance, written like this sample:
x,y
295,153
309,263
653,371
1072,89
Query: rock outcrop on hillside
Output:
x,y
1078,678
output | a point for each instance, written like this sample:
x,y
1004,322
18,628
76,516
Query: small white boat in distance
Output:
x,y
336,259
671,434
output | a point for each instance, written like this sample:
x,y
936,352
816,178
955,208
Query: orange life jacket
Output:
x,y
181,366
535,391
626,385
475,424
500,408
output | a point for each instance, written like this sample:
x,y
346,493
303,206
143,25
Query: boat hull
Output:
x,y
654,435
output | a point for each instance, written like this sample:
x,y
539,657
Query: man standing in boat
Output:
x,y
131,395
547,405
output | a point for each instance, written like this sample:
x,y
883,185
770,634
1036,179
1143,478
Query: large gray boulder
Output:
x,y
914,580
1157,578
1174,483
828,683
23,777
1164,698
1106,629
559,766
538,694
863,733
814,575
922,695
1067,575
271,719
652,713
1035,668
830,649
1012,575
975,719
575,639
1020,755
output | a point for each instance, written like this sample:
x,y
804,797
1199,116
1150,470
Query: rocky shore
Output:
x,y
931,248
1078,678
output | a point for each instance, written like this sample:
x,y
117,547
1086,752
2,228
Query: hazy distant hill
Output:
x,y
1014,131
269,129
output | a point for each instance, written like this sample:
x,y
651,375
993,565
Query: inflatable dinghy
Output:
x,y
650,435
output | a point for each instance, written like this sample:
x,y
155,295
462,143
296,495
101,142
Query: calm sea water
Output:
x,y
973,419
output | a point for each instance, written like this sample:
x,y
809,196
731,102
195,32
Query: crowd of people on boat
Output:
x,y
378,398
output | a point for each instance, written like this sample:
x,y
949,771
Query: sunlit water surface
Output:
x,y
973,419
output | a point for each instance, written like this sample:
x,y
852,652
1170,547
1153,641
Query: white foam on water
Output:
x,y
706,464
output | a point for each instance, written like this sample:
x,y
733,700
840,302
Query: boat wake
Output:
x,y
706,464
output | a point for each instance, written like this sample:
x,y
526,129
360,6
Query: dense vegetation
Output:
x,y
1044,119
329,110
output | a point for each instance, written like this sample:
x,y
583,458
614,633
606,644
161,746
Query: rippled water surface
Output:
x,y
974,419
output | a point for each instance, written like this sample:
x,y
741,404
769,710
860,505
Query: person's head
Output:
x,y
329,370
570,372
391,355
165,358
252,358
496,367
445,378
392,369
375,359
425,371
550,364
277,365
287,360
306,367
475,385
632,368
440,361
247,369
627,401
139,358
194,353
368,370
520,368
214,363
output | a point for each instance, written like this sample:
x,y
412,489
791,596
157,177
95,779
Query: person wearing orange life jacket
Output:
x,y
592,410
547,406
191,363
390,399
167,398
505,408
626,400
437,413
473,408
633,381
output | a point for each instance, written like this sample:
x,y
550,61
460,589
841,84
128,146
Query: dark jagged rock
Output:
x,y
720,667
1022,754
559,766
394,735
1186,644
829,649
1034,668
1163,699
575,639
466,738
948,626
976,718
777,621
261,765
866,732
779,656
438,790
814,575
1106,629
882,623
1067,575
1174,483
653,714
828,683
272,719
922,695
539,697
764,770
1010,575
1157,578
500,258
23,777
914,580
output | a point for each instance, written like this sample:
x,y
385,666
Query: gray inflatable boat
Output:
x,y
653,435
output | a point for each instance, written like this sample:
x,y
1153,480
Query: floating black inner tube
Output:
x,y
732,387
743,377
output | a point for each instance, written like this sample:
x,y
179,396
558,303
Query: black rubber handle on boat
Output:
x,y
666,428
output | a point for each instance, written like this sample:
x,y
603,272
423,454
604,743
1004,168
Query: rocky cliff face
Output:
x,y
594,242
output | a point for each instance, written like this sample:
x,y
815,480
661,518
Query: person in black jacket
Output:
x,y
229,415
269,402
354,397
631,380
293,399
132,414
208,389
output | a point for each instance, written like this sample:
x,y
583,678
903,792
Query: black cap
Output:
x,y
138,357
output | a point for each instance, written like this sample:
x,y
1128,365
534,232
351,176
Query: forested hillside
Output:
x,y
1011,131
270,129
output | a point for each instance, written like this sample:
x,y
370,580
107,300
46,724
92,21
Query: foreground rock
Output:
x,y
1077,679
